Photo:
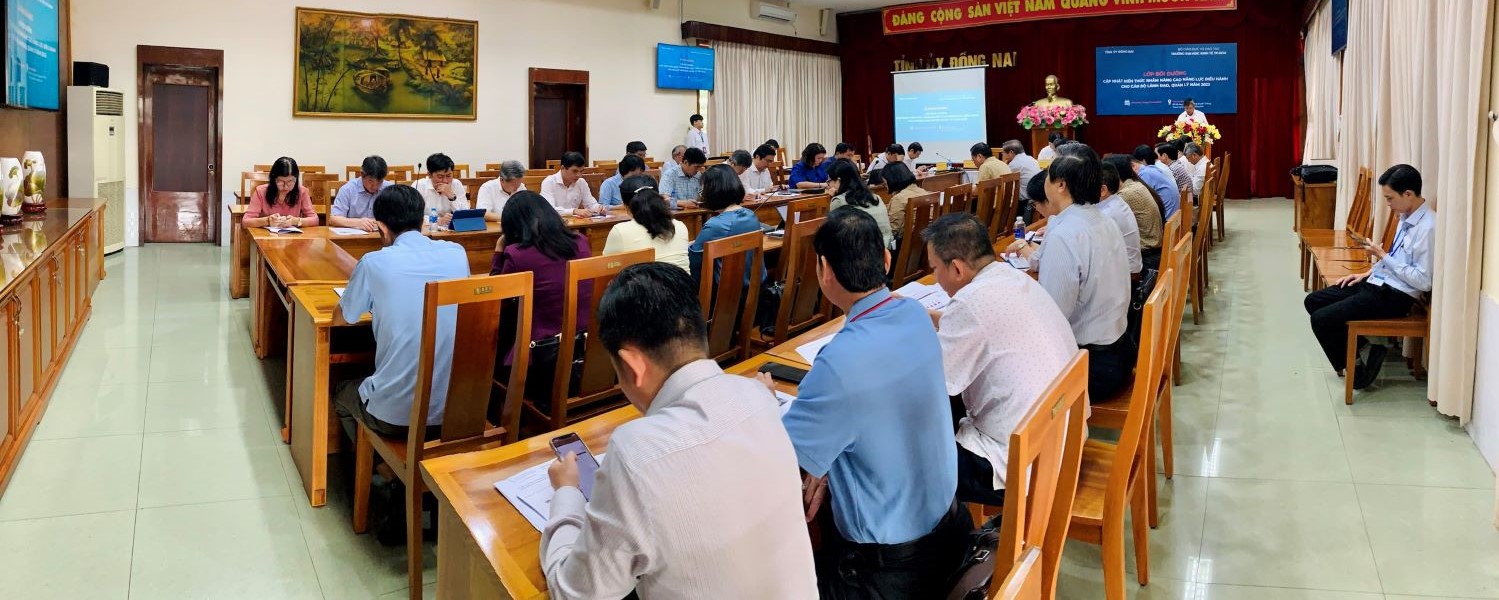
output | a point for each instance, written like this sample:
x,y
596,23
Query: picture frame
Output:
x,y
379,65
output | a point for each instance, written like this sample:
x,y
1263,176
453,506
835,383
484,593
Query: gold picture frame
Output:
x,y
369,65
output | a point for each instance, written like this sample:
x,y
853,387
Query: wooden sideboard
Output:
x,y
49,267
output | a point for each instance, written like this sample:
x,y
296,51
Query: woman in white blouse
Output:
x,y
650,224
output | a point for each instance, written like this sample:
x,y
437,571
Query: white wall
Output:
x,y
614,40
1484,427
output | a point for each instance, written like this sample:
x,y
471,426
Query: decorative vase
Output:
x,y
10,188
34,182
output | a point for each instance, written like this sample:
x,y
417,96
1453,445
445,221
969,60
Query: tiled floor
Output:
x,y
158,471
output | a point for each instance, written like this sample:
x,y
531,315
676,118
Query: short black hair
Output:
x,y
1124,167
895,149
1169,149
959,235
634,147
1189,101
1035,189
851,242
630,184
773,143
573,159
764,150
1076,148
694,156
982,149
897,176
850,186
842,147
741,158
1081,176
630,163
373,166
915,147
654,308
1051,138
439,162
721,188
1402,178
1144,153
400,208
1109,174
694,118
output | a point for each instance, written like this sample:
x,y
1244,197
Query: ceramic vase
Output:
x,y
10,191
34,182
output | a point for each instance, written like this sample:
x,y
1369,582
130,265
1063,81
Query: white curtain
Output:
x,y
1363,72
1322,72
762,93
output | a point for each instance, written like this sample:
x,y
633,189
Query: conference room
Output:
x,y
749,299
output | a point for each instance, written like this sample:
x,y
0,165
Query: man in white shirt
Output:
x,y
1013,153
1190,113
567,191
698,497
696,137
1003,342
913,152
495,192
1196,165
756,179
677,152
893,153
1402,276
1049,152
440,190
1117,210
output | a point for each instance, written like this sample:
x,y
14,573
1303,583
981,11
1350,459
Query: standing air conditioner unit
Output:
x,y
96,155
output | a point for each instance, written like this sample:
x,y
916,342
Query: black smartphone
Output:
x,y
570,443
784,372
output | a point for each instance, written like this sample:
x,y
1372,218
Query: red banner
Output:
x,y
932,16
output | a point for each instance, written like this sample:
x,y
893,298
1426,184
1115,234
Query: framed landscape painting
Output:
x,y
377,65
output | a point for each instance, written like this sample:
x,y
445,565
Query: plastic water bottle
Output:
x,y
432,218
1019,228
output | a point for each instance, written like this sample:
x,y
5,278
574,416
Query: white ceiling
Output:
x,y
849,5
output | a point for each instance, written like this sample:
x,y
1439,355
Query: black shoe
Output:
x,y
1367,372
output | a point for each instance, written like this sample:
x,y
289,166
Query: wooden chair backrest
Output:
x,y
539,172
1179,259
487,174
595,180
606,164
1391,223
598,382
1023,579
1188,214
248,180
351,172
654,164
1360,212
958,198
554,164
1131,450
302,168
1009,202
777,173
990,205
881,190
781,155
802,305
471,380
1173,227
533,182
1045,451
730,305
492,166
910,263
1204,215
400,173
1223,175
806,209
461,170
472,185
320,187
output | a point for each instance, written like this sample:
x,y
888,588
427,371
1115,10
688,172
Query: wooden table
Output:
x,y
280,263
317,348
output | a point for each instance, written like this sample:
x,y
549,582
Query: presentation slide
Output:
x,y
684,67
1153,80
943,109
31,40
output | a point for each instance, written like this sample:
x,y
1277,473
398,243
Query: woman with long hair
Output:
x,y
283,202
534,238
810,173
722,194
650,224
848,188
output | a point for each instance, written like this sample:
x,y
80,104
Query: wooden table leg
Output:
x,y
310,404
239,261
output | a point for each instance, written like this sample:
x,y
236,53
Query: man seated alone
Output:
x,y
893,153
389,284
700,493
1003,342
682,184
496,192
568,192
873,427
440,190
983,158
353,206
629,166
1389,289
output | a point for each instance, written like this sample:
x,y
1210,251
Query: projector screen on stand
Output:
x,y
943,109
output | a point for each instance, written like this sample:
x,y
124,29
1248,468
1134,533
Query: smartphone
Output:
x,y
570,443
784,372
1358,239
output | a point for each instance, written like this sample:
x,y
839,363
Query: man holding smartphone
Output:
x,y
699,497
1389,289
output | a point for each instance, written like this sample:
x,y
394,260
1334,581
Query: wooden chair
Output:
x,y
1415,325
1359,221
881,190
958,198
464,427
1222,192
460,170
400,173
654,164
492,166
321,187
1173,230
539,172
302,168
472,185
778,173
1009,202
1201,240
596,383
533,182
910,262
1113,475
594,180
802,304
806,209
249,180
554,164
1169,240
730,304
488,174
1023,579
606,164
1045,454
990,205
351,172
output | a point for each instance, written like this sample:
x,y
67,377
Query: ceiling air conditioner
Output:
x,y
774,12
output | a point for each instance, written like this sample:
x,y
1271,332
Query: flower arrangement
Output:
x,y
1192,130
1031,116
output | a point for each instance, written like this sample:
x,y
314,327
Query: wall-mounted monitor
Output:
x,y
684,67
31,45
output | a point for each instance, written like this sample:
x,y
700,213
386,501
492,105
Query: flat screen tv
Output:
x,y
31,42
684,67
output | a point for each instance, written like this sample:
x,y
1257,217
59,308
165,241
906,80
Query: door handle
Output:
x,y
210,167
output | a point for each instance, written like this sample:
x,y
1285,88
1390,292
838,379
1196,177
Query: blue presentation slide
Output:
x,y
931,117
684,67
1153,80
31,40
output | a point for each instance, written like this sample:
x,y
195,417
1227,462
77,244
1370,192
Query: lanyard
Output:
x,y
870,309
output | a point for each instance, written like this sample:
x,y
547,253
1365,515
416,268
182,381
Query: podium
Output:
x,y
1039,136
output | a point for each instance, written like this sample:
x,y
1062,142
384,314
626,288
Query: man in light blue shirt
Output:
x,y
683,183
390,285
1389,289
629,166
354,205
873,424
1158,178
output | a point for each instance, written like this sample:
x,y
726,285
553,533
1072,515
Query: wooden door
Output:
x,y
559,114
179,143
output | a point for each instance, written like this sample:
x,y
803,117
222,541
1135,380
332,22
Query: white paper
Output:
x,y
283,229
785,401
930,296
339,291
530,491
782,209
810,349
1019,262
347,231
